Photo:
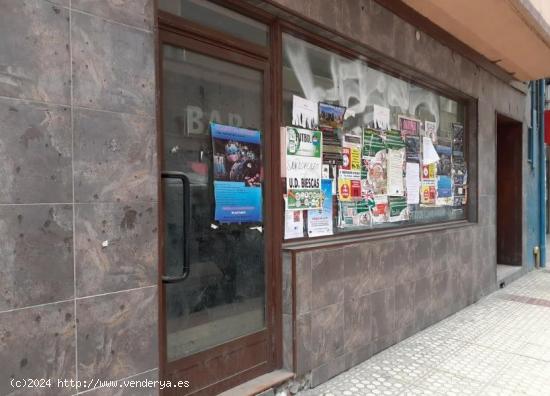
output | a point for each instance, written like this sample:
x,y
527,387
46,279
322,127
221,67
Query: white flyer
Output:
x,y
305,113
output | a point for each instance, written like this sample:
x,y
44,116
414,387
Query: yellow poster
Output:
x,y
355,159
344,189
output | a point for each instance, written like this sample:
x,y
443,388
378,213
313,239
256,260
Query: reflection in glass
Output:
x,y
224,296
219,18
320,75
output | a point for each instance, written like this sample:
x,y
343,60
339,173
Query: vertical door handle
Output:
x,y
186,206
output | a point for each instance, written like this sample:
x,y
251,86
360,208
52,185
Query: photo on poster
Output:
x,y
412,148
376,170
408,126
430,130
305,113
303,168
458,140
444,166
237,174
331,116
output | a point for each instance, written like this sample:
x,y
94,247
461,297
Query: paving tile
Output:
x,y
449,384
494,347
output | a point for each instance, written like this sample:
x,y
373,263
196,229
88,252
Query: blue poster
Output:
x,y
319,222
444,188
238,174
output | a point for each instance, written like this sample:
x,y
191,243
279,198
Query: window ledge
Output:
x,y
342,239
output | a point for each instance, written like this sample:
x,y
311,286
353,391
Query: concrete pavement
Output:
x,y
498,346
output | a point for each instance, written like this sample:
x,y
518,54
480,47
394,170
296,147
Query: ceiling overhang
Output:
x,y
512,34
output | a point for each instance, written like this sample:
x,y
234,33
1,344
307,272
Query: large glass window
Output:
x,y
388,153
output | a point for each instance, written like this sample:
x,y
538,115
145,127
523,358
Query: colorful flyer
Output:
x,y
394,140
319,222
408,126
237,174
331,116
398,209
344,190
354,214
444,187
429,171
427,192
376,173
380,209
372,143
303,168
444,165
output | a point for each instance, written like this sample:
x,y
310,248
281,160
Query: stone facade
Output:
x,y
78,133
77,122
350,302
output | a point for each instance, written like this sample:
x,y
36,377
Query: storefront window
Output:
x,y
365,150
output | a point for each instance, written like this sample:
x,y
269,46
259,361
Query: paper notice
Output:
x,y
305,113
430,130
429,155
381,117
413,183
294,224
395,172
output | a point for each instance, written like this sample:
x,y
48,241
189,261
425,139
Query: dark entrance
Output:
x,y
217,313
509,195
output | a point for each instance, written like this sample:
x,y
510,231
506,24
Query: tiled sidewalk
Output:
x,y
498,346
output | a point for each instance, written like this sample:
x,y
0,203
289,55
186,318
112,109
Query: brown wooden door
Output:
x,y
509,191
216,311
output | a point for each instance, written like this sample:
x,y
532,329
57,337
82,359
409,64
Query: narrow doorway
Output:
x,y
509,196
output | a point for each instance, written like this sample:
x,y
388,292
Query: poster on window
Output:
x,y
237,174
319,222
408,126
331,116
304,113
303,168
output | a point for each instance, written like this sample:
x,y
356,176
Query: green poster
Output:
x,y
394,140
372,143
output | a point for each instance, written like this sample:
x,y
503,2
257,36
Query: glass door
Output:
x,y
214,272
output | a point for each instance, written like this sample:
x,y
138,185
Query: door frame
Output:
x,y
502,121
177,31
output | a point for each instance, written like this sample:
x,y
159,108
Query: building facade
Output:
x,y
131,130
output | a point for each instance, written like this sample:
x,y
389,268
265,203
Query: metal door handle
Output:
x,y
186,205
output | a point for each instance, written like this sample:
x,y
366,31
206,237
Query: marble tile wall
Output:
x,y
78,144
